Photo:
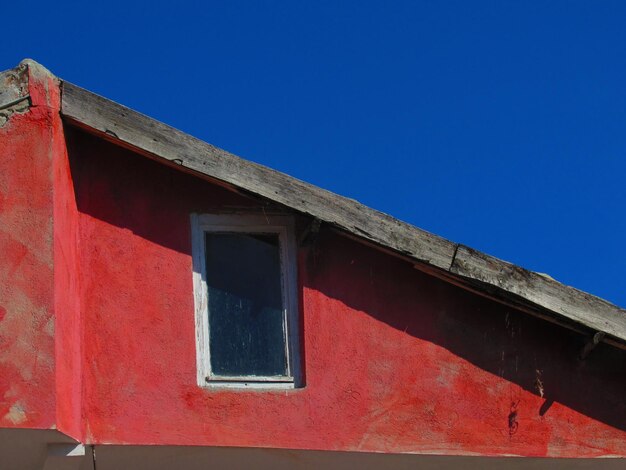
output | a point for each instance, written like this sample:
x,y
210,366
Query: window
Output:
x,y
245,300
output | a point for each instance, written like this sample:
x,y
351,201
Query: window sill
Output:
x,y
250,385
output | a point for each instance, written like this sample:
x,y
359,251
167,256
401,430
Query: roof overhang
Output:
x,y
532,292
470,269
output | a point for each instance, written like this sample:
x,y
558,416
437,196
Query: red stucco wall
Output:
x,y
394,360
28,142
97,327
68,319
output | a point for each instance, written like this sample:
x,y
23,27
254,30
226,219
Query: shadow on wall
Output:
x,y
539,357
150,199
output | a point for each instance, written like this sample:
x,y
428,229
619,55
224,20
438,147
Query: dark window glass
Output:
x,y
246,334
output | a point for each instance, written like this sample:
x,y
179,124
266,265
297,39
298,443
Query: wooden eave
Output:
x,y
458,264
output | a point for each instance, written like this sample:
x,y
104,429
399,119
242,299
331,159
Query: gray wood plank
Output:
x,y
471,269
521,285
159,140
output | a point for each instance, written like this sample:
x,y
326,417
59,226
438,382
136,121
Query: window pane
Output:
x,y
245,304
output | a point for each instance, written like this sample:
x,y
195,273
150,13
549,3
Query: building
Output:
x,y
165,304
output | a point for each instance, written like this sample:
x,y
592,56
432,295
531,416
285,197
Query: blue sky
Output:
x,y
497,124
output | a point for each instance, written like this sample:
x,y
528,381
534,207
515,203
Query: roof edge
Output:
x,y
455,263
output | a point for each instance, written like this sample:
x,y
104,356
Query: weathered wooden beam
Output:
x,y
147,135
533,289
463,266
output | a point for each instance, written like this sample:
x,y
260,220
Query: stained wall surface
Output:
x,y
29,141
394,360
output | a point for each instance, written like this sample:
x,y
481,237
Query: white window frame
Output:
x,y
284,227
